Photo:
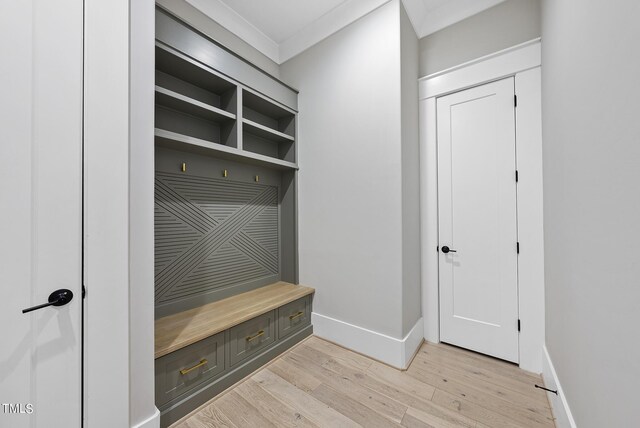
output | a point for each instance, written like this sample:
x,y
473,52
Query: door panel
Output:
x,y
477,219
40,200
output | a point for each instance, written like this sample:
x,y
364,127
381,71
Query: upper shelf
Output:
x,y
182,67
267,119
261,105
201,110
174,140
174,100
266,132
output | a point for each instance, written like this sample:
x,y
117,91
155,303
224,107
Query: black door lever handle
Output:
x,y
446,250
57,298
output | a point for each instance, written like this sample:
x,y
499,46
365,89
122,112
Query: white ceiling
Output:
x,y
281,29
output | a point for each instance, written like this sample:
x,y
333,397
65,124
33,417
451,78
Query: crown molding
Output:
x,y
451,12
329,23
417,12
425,21
232,21
318,30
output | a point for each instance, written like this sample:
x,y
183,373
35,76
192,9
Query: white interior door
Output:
x,y
41,209
477,219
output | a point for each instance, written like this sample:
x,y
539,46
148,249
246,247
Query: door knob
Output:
x,y
446,250
57,298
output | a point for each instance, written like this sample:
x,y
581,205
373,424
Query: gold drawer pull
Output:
x,y
294,316
202,362
255,336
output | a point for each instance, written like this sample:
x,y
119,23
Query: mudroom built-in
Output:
x,y
227,298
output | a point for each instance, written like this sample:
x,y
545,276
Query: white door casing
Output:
x,y
523,62
478,219
41,201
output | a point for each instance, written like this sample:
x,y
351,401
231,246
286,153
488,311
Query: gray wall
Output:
x,y
504,25
591,131
411,292
217,32
350,201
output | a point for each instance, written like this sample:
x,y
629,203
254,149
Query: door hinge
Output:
x,y
518,247
84,291
518,325
515,101
517,177
438,249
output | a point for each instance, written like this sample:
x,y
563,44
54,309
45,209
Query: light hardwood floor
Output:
x,y
319,384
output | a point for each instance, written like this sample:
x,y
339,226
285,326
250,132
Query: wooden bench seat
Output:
x,y
176,331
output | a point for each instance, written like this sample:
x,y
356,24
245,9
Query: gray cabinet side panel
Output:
x,y
289,229
180,36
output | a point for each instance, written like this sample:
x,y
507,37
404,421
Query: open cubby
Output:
x,y
194,101
186,77
260,111
267,128
218,132
273,147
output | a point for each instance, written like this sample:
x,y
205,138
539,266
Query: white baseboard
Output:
x,y
395,352
152,422
559,405
412,342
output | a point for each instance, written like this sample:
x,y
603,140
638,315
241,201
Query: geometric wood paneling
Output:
x,y
211,235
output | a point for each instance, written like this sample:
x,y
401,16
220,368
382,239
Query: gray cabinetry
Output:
x,y
186,368
251,337
294,316
189,377
226,172
225,217
201,109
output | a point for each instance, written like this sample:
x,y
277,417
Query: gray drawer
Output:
x,y
251,337
186,368
294,316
